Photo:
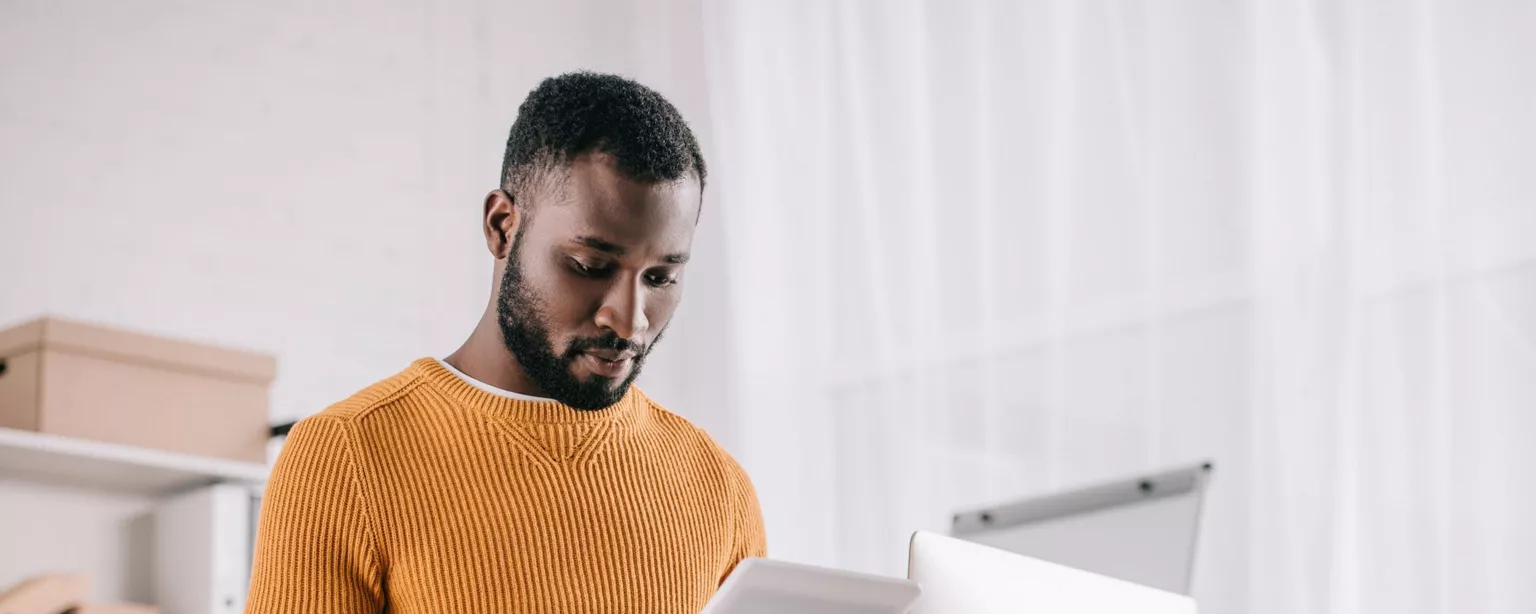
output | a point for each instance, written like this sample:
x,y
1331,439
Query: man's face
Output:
x,y
592,279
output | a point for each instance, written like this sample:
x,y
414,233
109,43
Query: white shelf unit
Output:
x,y
75,505
40,457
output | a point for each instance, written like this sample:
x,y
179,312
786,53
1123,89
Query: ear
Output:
x,y
500,223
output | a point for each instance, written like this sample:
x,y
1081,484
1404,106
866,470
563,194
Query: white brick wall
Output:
x,y
304,178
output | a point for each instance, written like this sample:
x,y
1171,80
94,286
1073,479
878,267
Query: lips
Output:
x,y
612,355
607,363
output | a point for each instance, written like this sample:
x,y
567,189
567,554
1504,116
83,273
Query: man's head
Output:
x,y
600,193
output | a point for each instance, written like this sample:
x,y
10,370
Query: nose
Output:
x,y
623,310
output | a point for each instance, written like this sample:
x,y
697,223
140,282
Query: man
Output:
x,y
523,473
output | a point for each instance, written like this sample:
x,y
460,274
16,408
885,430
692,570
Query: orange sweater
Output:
x,y
424,494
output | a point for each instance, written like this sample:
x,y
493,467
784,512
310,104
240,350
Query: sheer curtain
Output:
x,y
978,250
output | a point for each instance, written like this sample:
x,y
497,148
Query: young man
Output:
x,y
523,473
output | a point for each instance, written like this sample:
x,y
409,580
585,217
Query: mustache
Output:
x,y
610,341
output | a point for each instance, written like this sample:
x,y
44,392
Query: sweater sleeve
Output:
x,y
315,545
749,536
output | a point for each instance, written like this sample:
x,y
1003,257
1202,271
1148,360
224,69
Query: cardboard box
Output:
x,y
92,382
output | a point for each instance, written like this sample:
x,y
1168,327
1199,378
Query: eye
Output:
x,y
660,280
588,270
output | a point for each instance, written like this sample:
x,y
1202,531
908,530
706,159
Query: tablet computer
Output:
x,y
763,586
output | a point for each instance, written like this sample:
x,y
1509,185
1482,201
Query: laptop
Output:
x,y
1142,529
961,577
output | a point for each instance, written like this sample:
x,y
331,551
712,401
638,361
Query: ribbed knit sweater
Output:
x,y
423,493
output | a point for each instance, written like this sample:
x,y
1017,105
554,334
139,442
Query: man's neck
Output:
x,y
485,357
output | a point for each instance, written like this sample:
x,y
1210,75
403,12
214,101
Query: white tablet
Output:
x,y
762,586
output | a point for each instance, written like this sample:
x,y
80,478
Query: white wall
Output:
x,y
305,178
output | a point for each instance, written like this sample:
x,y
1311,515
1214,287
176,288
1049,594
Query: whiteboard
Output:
x,y
1141,529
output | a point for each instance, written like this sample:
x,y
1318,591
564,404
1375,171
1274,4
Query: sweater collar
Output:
x,y
522,410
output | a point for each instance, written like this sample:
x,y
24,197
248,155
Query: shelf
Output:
x,y
78,462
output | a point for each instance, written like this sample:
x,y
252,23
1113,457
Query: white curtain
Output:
x,y
979,250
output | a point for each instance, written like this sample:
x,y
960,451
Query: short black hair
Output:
x,y
585,112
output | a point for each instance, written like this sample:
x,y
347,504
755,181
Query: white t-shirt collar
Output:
x,y
492,389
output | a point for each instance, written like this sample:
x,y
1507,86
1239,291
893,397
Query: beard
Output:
x,y
527,336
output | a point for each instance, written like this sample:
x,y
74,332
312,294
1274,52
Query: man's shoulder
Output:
x,y
670,422
380,395
733,477
684,429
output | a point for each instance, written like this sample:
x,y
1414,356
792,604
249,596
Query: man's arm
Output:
x,y
315,546
749,537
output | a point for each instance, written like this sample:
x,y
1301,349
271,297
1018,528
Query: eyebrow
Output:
x,y
618,252
601,245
